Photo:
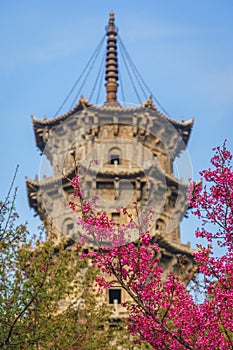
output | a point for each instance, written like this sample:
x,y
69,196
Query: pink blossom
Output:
x,y
163,312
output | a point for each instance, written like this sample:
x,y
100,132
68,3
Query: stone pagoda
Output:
x,y
135,148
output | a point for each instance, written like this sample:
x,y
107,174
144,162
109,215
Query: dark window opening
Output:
x,y
159,225
114,294
115,158
114,323
69,228
116,217
100,328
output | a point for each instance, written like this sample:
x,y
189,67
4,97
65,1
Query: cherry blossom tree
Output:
x,y
164,313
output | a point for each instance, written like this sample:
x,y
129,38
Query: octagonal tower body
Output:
x,y
135,148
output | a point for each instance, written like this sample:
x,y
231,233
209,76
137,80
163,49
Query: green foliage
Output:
x,y
47,294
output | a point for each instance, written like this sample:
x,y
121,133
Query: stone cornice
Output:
x,y
173,134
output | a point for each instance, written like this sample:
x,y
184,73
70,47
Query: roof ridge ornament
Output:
x,y
149,103
111,70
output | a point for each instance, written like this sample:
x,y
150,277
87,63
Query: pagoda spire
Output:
x,y
111,71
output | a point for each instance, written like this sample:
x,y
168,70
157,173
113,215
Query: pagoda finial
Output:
x,y
111,26
111,72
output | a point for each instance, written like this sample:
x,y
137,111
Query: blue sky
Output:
x,y
183,49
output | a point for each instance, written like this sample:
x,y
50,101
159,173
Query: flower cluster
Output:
x,y
163,312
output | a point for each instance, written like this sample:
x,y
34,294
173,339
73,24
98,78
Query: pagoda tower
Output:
x,y
135,147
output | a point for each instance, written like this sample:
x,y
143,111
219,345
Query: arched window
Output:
x,y
114,155
160,225
114,294
68,228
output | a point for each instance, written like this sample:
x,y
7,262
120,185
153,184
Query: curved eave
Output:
x,y
137,172
32,189
33,186
40,125
183,128
175,248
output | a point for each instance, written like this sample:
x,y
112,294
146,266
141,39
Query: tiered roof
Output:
x,y
183,128
150,114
